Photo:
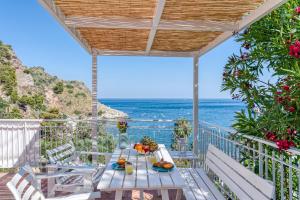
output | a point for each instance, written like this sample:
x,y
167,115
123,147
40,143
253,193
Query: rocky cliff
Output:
x,y
30,92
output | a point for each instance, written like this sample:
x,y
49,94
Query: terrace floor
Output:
x,y
5,194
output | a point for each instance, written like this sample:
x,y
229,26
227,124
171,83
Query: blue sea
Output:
x,y
215,111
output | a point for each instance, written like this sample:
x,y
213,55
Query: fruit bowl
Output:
x,y
141,149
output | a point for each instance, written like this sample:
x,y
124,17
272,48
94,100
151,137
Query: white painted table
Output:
x,y
143,177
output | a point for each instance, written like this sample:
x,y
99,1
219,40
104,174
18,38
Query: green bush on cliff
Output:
x,y
36,101
5,53
58,88
8,78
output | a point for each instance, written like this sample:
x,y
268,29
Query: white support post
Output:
x,y
94,105
195,103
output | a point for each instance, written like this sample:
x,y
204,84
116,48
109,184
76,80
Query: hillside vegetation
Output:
x,y
30,92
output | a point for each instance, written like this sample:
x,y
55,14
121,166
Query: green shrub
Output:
x,y
26,71
69,86
58,88
80,94
77,112
3,105
52,113
70,91
8,78
5,53
69,103
14,96
15,114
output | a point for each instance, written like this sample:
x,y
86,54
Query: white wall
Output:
x,y
19,142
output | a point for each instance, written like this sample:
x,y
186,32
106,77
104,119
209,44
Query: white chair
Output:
x,y
65,158
25,186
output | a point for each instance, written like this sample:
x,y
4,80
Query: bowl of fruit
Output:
x,y
146,145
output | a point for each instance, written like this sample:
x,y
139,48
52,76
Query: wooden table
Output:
x,y
143,177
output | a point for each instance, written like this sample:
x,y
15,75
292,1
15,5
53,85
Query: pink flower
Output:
x,y
271,136
297,10
295,49
284,144
286,88
292,109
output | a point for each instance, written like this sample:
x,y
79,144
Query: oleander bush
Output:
x,y
269,46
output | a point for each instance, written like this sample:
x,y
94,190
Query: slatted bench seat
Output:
x,y
240,180
199,186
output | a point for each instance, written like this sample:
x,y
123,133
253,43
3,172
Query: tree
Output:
x,y
273,104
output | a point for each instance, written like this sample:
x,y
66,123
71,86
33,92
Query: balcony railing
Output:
x,y
25,141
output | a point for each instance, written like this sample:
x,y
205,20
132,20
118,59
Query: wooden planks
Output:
x,y
198,185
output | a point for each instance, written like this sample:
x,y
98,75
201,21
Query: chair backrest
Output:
x,y
240,180
62,154
24,185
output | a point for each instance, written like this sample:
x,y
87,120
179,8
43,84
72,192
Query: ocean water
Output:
x,y
216,111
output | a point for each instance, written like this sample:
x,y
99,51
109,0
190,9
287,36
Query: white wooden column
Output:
x,y
195,103
94,104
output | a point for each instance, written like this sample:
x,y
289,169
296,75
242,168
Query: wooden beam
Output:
x,y
253,16
190,25
158,12
50,6
143,53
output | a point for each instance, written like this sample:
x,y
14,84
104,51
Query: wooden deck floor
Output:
x,y
129,195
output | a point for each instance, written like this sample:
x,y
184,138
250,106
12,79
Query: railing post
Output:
x,y
195,103
260,159
94,105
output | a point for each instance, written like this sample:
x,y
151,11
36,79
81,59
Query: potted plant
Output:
x,y
122,125
182,129
123,139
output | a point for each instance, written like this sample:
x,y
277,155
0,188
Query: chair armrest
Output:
x,y
93,153
88,169
59,174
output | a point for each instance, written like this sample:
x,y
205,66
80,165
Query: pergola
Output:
x,y
172,28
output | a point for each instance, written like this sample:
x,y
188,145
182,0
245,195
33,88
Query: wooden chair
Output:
x,y
65,158
240,180
25,186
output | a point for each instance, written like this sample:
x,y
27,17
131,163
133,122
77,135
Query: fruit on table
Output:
x,y
147,141
121,161
138,147
146,148
167,165
163,164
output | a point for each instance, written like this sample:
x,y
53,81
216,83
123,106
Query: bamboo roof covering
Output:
x,y
156,27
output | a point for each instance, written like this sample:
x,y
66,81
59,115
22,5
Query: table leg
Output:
x,y
164,194
119,194
159,193
50,183
178,194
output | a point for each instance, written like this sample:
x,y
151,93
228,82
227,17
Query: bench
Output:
x,y
239,180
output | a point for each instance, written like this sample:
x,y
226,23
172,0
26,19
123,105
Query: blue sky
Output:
x,y
40,41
